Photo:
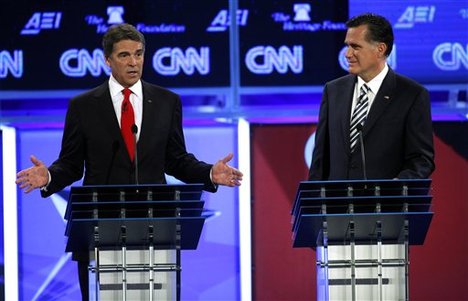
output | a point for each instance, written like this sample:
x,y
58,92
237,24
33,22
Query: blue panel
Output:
x,y
431,37
180,51
46,271
2,252
212,271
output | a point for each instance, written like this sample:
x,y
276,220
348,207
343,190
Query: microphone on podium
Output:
x,y
135,131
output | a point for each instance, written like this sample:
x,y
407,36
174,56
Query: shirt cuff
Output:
x,y
45,187
211,179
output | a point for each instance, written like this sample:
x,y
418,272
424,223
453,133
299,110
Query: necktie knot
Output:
x,y
364,90
126,92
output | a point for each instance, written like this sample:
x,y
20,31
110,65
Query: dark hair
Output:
x,y
117,33
379,29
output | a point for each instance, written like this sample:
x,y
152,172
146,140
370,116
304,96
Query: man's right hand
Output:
x,y
34,177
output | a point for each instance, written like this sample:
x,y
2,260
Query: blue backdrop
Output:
x,y
46,271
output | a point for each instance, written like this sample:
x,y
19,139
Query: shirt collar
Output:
x,y
375,83
115,88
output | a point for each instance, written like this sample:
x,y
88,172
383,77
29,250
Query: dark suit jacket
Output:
x,y
397,134
92,143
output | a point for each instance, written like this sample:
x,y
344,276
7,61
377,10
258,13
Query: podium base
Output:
x,y
369,272
111,280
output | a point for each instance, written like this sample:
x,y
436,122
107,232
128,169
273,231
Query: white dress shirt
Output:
x,y
136,99
374,86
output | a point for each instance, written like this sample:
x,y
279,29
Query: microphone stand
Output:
x,y
135,131
363,152
363,155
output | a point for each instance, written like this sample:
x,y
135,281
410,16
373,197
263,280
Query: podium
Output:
x,y
362,230
134,235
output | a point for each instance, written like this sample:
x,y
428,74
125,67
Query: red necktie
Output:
x,y
127,120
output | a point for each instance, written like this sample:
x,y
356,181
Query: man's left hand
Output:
x,y
223,174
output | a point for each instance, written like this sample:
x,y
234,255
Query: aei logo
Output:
x,y
222,20
415,14
39,21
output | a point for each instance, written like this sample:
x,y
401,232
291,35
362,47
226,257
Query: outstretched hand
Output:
x,y
223,174
34,177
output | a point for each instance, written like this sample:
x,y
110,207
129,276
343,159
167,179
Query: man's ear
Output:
x,y
382,48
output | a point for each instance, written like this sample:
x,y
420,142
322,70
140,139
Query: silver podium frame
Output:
x,y
361,230
125,227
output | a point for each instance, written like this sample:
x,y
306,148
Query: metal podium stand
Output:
x,y
134,234
362,231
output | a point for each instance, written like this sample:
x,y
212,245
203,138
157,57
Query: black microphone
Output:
x,y
135,131
115,148
363,152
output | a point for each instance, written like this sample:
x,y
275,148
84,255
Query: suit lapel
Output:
x,y
107,113
381,101
347,98
147,122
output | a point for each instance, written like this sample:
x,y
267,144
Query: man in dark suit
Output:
x,y
389,112
94,141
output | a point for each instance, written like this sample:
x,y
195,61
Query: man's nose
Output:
x,y
349,52
133,60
